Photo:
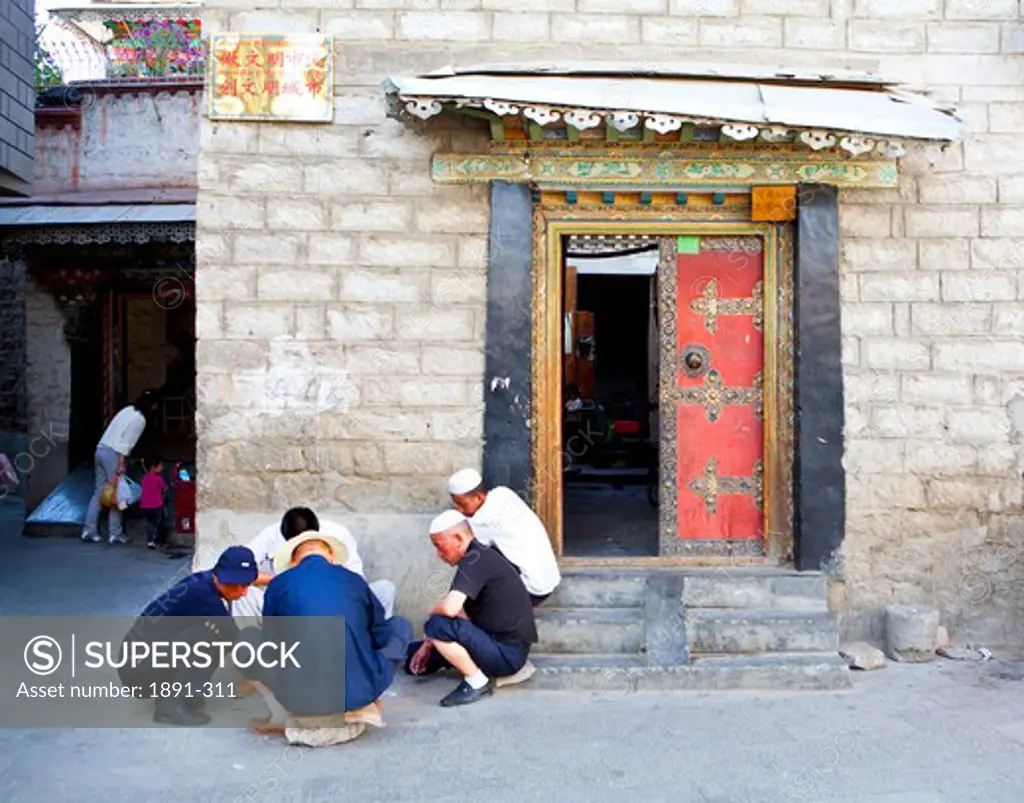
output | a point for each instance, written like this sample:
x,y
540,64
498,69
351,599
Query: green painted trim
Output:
x,y
478,114
497,123
536,132
666,171
688,245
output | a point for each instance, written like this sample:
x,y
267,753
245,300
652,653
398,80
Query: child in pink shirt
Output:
x,y
152,503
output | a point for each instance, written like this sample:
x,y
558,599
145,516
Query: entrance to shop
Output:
x,y
671,389
610,397
128,324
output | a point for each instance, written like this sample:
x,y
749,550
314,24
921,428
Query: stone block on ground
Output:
x,y
861,655
964,653
910,632
957,653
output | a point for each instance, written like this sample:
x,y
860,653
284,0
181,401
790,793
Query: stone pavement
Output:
x,y
58,575
945,732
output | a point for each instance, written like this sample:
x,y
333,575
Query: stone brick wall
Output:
x,y
330,373
125,142
13,416
17,96
47,391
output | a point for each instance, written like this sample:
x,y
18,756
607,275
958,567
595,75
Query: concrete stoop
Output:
x,y
616,631
615,676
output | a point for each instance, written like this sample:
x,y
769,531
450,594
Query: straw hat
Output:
x,y
283,556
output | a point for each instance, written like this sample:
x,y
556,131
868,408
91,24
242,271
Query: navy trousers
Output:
x,y
494,657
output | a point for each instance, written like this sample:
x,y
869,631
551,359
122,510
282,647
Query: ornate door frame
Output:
x,y
554,218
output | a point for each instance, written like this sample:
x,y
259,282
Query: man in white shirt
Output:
x,y
118,440
295,522
499,518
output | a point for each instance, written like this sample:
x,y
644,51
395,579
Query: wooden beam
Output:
x,y
497,123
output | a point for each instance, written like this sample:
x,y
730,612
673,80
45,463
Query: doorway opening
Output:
x,y
610,396
122,320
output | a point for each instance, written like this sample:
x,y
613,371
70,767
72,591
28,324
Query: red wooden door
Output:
x,y
719,395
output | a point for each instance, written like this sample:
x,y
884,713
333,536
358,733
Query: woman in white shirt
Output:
x,y
118,440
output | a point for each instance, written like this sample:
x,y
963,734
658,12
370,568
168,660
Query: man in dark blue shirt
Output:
x,y
340,627
197,608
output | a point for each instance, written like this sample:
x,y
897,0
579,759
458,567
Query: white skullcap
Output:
x,y
462,482
446,521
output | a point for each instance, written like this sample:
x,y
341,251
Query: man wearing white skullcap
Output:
x,y
501,519
484,626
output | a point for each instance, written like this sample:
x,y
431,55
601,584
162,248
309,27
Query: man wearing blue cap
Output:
x,y
197,608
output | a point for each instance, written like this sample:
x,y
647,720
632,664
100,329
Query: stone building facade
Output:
x,y
17,97
103,145
315,243
17,147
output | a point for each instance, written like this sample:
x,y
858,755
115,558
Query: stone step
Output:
x,y
590,630
789,592
616,676
758,588
51,530
747,632
599,590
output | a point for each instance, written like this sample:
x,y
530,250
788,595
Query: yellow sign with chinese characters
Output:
x,y
271,77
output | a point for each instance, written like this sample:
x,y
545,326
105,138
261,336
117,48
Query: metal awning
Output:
x,y
58,215
815,108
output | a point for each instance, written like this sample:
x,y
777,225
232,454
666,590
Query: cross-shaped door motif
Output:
x,y
710,305
712,396
710,486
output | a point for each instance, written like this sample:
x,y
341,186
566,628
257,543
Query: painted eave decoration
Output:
x,y
858,113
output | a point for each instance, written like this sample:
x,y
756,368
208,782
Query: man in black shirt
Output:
x,y
484,627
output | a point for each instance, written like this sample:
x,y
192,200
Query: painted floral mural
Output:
x,y
155,49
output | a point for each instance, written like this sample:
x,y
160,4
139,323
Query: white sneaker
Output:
x,y
118,539
90,538
521,676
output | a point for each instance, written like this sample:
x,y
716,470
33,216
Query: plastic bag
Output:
x,y
128,492
108,496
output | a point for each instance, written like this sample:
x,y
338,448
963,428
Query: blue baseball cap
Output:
x,y
236,566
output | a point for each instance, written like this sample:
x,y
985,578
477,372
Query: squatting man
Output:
x,y
194,610
483,628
